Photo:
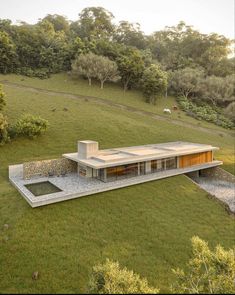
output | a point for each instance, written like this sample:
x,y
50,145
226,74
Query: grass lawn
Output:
x,y
112,92
146,227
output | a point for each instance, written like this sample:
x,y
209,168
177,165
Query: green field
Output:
x,y
145,227
111,92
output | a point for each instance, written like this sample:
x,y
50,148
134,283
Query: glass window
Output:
x,y
171,163
122,171
111,173
82,171
157,165
142,168
131,170
153,165
101,174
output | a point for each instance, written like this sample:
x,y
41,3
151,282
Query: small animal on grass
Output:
x,y
35,275
175,108
167,111
65,109
53,110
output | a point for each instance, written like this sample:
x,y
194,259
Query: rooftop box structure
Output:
x,y
87,149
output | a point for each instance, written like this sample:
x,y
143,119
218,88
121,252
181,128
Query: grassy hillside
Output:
x,y
111,92
146,227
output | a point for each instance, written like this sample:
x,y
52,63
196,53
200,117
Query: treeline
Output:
x,y
96,48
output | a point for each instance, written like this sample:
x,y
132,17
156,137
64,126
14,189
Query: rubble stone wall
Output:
x,y
46,167
218,173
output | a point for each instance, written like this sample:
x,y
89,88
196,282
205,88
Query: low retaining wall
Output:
x,y
44,167
218,173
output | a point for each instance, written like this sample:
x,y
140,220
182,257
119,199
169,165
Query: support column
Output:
x,y
178,162
148,167
105,174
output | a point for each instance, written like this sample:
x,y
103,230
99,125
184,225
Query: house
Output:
x,y
91,170
120,163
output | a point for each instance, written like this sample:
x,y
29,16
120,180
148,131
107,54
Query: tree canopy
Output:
x,y
197,66
154,83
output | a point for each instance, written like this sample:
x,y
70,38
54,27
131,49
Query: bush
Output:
x,y
2,98
230,111
3,129
29,126
208,272
12,131
204,112
109,278
41,73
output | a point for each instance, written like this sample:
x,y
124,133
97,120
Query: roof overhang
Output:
x,y
95,163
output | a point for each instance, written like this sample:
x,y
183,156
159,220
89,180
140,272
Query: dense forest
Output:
x,y
179,60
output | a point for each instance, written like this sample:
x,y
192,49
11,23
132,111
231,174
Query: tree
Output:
x,y
130,66
106,70
3,129
53,46
209,272
130,35
217,90
186,81
2,99
216,49
59,22
95,66
230,111
104,47
109,278
8,57
154,82
182,46
3,120
84,65
94,22
224,67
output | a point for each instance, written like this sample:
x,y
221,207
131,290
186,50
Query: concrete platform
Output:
x,y
72,186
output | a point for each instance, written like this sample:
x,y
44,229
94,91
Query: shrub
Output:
x,y
30,126
41,73
2,98
12,131
109,278
230,111
3,129
205,112
208,272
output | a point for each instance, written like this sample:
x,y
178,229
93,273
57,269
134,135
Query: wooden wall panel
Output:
x,y
195,159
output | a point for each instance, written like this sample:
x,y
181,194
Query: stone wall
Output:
x,y
46,167
193,174
218,173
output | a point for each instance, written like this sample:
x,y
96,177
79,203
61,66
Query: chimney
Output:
x,y
87,149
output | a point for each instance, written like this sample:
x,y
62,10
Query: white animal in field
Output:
x,y
167,111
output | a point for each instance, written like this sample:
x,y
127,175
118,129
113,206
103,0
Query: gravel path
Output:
x,y
117,105
222,190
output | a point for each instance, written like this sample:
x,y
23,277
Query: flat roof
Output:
x,y
125,155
